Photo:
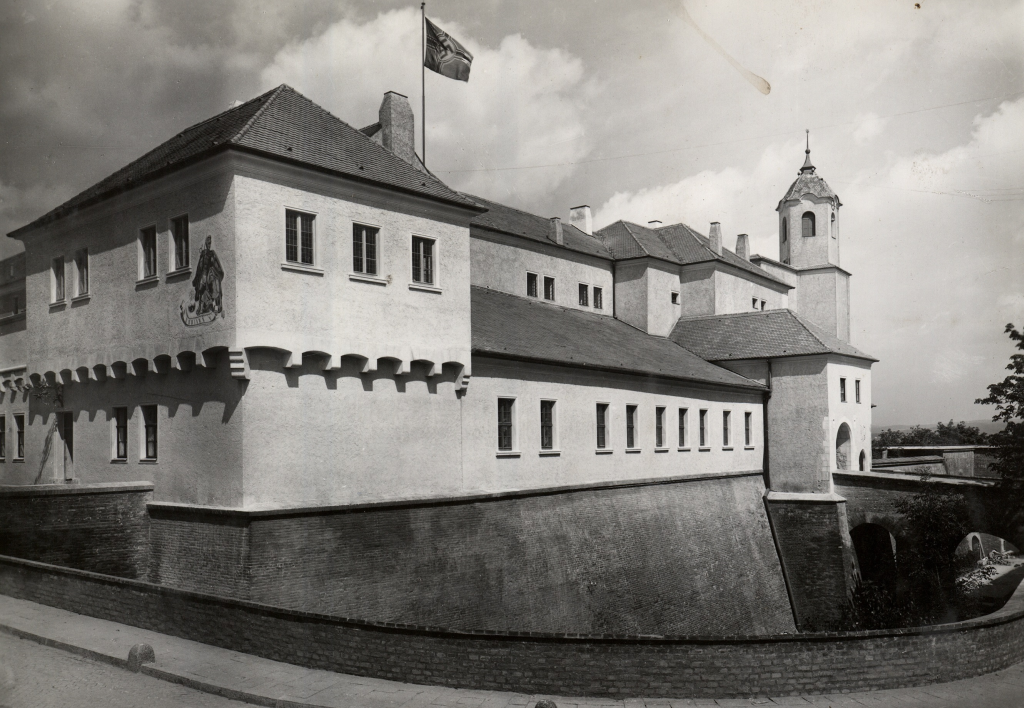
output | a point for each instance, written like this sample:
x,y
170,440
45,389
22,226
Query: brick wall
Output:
x,y
552,664
692,556
817,557
102,527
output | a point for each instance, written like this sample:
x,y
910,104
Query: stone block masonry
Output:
x,y
99,527
613,666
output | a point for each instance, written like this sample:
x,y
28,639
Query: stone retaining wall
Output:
x,y
619,666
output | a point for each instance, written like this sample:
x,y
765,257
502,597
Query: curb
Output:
x,y
70,648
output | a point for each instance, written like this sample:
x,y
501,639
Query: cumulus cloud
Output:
x,y
869,126
523,105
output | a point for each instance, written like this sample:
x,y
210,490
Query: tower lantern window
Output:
x,y
807,223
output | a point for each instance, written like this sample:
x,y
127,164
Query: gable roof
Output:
x,y
516,222
758,335
509,326
281,123
676,243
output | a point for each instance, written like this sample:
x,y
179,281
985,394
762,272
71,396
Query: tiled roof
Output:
x,y
757,335
281,123
515,222
809,183
510,326
677,243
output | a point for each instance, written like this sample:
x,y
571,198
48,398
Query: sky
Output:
x,y
915,112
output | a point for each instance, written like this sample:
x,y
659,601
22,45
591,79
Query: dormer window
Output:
x,y
807,224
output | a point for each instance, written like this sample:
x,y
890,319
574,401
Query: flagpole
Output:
x,y
423,78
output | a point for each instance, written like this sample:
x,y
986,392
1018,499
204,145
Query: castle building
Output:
x,y
276,316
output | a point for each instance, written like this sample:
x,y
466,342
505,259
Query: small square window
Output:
x,y
149,432
763,303
298,237
675,298
703,428
856,390
531,284
57,279
82,272
631,427
19,436
364,249
423,260
602,426
726,428
598,298
547,425
147,252
748,433
682,427
549,288
179,240
842,390
753,303
584,295
659,427
506,424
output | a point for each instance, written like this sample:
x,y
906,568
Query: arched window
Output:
x,y
808,224
785,230
832,229
843,447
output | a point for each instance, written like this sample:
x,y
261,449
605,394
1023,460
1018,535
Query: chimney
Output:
x,y
654,223
715,237
582,219
555,232
743,247
398,126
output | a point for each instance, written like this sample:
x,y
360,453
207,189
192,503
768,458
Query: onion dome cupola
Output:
x,y
809,219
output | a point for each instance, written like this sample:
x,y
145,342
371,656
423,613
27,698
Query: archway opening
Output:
x,y
876,554
843,447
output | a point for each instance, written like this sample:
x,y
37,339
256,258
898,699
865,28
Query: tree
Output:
x,y
944,434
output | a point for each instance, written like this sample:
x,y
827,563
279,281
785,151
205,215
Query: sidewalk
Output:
x,y
270,683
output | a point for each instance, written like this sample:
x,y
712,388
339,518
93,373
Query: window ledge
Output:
x,y
507,453
603,451
661,449
19,459
85,297
749,447
425,288
302,268
703,449
58,305
632,450
119,462
550,453
682,449
148,280
147,462
727,449
179,272
363,278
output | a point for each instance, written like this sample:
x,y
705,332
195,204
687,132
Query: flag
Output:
x,y
445,55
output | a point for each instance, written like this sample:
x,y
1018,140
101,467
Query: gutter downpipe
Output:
x,y
764,422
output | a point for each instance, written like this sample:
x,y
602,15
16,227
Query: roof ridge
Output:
x,y
274,93
521,211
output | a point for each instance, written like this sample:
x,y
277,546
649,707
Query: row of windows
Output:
x,y
587,294
19,437
80,279
842,390
548,420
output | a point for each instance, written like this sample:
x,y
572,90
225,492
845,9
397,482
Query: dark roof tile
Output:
x,y
516,222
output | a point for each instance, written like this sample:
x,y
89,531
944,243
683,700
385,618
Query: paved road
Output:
x,y
37,676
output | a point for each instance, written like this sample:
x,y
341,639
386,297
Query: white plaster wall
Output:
x,y
338,437
631,293
733,293
810,251
697,291
856,415
123,320
824,300
327,310
577,394
13,344
501,262
662,281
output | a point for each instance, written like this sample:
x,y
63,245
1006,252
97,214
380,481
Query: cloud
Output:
x,y
869,126
522,106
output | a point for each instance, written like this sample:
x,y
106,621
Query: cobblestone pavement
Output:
x,y
76,675
37,676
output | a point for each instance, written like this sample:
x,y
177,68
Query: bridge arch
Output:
x,y
875,547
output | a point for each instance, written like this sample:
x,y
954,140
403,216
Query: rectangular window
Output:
x,y
584,295
120,433
659,426
423,260
149,442
179,237
763,303
726,432
549,288
682,427
531,284
15,304
842,390
364,249
298,237
547,425
506,424
3,438
754,303
703,428
57,279
147,248
82,272
631,427
748,433
856,390
19,436
675,298
602,422
598,298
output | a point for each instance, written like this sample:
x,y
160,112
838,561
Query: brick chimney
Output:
x,y
582,219
555,231
715,237
398,126
743,247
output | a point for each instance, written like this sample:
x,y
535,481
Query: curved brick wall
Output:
x,y
551,664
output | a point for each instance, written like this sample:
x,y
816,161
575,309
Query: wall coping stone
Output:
x,y
163,508
810,497
1012,611
62,489
917,478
